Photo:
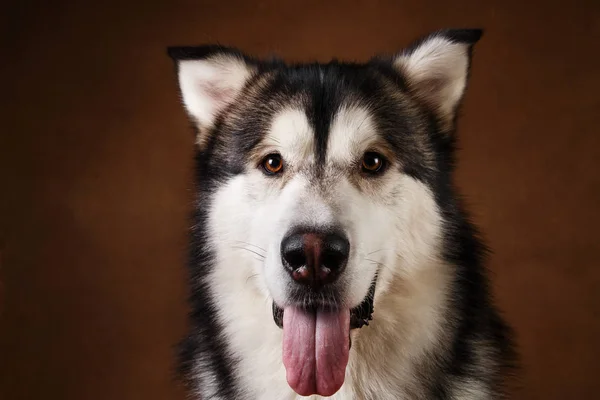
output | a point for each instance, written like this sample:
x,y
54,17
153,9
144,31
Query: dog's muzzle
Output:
x,y
316,330
315,259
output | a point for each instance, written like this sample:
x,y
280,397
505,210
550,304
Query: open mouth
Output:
x,y
316,343
359,315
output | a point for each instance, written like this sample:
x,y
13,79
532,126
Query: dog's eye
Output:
x,y
373,163
272,164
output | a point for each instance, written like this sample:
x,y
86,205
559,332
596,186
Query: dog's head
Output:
x,y
327,178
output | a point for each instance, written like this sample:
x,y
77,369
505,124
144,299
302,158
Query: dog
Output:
x,y
331,256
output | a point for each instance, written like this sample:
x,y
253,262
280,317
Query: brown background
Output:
x,y
95,158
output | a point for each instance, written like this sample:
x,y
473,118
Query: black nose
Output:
x,y
315,258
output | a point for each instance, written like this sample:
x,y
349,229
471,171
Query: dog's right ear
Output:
x,y
210,79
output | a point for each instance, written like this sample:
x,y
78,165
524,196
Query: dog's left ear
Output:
x,y
210,79
436,70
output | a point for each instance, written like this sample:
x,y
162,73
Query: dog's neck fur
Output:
x,y
388,356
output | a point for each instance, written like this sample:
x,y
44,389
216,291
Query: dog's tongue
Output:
x,y
315,350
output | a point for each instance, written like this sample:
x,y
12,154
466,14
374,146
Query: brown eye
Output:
x,y
272,164
372,163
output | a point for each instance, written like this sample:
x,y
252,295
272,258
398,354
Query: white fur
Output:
x,y
291,135
437,72
470,389
351,133
251,213
209,85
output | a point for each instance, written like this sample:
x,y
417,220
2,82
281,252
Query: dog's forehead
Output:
x,y
325,117
349,130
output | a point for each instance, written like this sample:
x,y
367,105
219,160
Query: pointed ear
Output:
x,y
436,69
210,79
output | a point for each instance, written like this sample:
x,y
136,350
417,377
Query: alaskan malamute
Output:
x,y
330,254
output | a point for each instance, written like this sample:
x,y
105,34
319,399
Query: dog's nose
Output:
x,y
315,258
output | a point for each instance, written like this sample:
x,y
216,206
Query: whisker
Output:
x,y
253,245
362,122
379,264
376,251
251,251
251,277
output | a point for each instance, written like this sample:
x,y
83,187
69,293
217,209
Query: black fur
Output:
x,y
324,88
204,340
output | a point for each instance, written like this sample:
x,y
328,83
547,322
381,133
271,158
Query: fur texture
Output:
x,y
435,332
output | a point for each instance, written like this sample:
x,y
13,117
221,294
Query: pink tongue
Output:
x,y
315,350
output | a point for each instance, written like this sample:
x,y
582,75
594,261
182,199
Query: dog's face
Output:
x,y
321,177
